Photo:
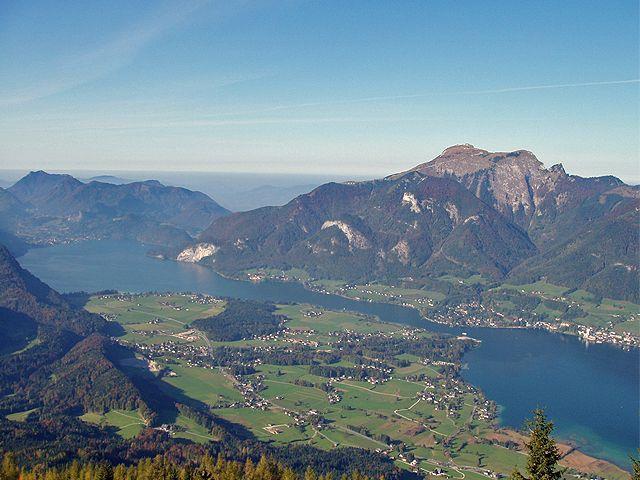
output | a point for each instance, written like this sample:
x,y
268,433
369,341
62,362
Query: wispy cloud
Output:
x,y
410,96
86,66
150,124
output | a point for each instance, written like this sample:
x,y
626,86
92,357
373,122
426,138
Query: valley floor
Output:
x,y
419,412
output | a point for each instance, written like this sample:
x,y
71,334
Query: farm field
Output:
x,y
128,423
555,307
622,316
328,379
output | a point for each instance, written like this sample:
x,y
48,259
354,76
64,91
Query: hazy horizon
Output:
x,y
631,177
315,87
236,191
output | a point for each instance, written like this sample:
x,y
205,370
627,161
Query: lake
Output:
x,y
592,393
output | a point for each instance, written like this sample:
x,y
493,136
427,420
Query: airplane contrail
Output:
x,y
429,94
556,85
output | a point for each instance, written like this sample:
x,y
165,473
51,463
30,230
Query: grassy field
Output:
x,y
387,293
329,321
190,430
290,275
208,386
128,423
366,416
153,319
20,416
182,308
620,315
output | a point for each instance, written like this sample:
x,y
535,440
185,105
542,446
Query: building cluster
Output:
x,y
249,388
193,355
602,335
476,314
334,396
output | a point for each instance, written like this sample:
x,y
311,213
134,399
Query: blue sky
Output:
x,y
356,88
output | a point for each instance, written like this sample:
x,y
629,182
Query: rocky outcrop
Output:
x,y
354,237
516,183
197,252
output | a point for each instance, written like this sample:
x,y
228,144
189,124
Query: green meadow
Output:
x,y
369,416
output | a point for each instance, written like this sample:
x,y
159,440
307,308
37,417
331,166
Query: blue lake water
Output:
x,y
592,393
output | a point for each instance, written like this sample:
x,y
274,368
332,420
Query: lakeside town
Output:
x,y
476,313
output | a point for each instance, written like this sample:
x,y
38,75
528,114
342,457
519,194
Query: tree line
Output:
x,y
159,468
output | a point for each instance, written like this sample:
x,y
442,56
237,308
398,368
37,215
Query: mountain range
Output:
x,y
51,208
502,215
468,211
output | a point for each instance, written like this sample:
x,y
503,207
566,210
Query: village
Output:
x,y
307,381
475,313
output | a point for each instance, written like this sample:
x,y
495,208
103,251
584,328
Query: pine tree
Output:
x,y
289,474
542,463
635,464
309,474
104,471
9,470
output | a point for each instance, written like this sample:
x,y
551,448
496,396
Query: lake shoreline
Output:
x,y
517,367
543,326
567,447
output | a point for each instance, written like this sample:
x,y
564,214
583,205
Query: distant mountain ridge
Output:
x,y
61,195
45,208
468,211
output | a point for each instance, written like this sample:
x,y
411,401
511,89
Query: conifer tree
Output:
x,y
309,474
542,463
9,470
635,465
104,471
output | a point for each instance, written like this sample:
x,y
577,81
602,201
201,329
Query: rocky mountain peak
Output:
x,y
41,175
515,183
460,161
463,148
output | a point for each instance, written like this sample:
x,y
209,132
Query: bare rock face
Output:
x,y
197,252
513,183
516,183
355,238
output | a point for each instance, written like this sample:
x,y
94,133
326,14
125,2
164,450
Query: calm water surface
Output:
x,y
591,392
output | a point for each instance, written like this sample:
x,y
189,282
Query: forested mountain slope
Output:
x,y
468,211
405,226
